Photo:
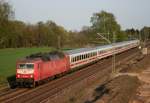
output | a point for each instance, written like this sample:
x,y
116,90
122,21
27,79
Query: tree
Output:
x,y
132,33
6,14
145,33
104,22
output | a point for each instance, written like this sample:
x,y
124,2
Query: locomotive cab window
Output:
x,y
22,66
26,66
30,66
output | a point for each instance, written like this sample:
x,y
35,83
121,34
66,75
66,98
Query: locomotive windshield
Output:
x,y
26,66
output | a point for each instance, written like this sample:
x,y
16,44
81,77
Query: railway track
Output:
x,y
41,93
12,93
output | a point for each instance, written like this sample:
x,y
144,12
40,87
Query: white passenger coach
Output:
x,y
82,56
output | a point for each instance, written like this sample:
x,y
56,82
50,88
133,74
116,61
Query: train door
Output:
x,y
39,71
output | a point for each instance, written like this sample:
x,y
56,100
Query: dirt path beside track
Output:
x,y
131,85
143,92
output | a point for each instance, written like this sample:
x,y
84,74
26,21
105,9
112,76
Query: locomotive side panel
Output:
x,y
51,68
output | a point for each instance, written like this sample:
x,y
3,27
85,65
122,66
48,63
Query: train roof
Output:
x,y
47,56
103,47
75,51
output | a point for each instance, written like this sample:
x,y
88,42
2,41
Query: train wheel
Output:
x,y
33,85
37,83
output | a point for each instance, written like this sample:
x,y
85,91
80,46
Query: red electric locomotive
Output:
x,y
37,67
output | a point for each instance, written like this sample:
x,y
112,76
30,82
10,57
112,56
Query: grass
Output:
x,y
9,56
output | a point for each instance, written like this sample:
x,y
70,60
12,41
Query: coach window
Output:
x,y
76,58
86,56
79,57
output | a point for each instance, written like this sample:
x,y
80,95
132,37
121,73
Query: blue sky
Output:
x,y
74,14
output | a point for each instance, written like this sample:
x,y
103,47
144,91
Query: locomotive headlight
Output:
x,y
18,75
31,76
